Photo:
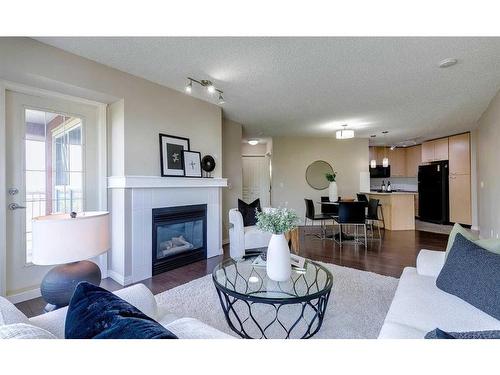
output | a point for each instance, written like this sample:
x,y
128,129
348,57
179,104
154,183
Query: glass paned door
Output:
x,y
54,169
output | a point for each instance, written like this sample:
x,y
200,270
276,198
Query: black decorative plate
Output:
x,y
208,163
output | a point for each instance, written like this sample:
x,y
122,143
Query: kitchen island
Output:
x,y
398,209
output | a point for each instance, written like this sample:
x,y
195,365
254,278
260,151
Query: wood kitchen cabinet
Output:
x,y
413,160
460,199
435,150
397,161
459,150
459,179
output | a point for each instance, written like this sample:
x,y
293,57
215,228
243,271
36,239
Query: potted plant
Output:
x,y
332,188
278,221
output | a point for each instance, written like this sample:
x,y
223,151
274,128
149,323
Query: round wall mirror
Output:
x,y
315,174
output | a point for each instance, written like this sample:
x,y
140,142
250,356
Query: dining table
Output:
x,y
336,236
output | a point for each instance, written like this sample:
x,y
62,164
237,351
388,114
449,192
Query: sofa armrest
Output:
x,y
429,263
236,234
138,295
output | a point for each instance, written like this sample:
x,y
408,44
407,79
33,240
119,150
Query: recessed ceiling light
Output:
x,y
253,142
446,63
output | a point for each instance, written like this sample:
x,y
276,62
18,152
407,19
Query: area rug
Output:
x,y
358,303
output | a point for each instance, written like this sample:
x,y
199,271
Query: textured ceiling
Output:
x,y
310,86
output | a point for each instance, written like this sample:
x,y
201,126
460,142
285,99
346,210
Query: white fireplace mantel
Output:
x,y
154,182
133,199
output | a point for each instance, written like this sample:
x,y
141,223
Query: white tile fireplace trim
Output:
x,y
133,199
129,182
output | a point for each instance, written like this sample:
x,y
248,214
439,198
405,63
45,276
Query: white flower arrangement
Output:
x,y
277,220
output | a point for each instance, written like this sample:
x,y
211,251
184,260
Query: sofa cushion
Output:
x,y
440,334
24,331
248,211
418,303
457,228
94,312
10,314
190,328
472,273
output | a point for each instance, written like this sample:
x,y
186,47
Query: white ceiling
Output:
x,y
310,86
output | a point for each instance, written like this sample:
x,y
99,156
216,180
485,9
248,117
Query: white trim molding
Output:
x,y
153,182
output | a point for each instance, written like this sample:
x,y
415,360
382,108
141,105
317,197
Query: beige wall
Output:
x,y
292,155
488,155
148,108
231,169
138,110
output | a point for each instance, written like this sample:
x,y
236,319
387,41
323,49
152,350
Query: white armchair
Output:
x,y
242,238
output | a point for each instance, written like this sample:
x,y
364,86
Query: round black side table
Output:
x,y
258,307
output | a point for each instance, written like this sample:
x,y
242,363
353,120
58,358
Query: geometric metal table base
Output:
x,y
309,328
256,307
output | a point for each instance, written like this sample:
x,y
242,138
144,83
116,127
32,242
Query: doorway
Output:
x,y
53,165
257,179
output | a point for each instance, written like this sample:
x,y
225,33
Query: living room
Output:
x,y
249,187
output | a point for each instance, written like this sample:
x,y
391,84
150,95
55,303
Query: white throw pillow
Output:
x,y
24,331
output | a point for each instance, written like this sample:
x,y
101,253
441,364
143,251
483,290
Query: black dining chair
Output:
x,y
312,217
352,213
362,198
372,215
329,209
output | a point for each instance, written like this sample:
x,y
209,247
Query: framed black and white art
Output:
x,y
192,163
171,148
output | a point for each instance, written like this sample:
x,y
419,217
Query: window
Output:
x,y
54,168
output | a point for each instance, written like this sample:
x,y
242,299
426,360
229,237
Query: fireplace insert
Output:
x,y
179,236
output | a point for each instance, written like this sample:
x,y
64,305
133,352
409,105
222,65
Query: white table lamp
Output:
x,y
68,241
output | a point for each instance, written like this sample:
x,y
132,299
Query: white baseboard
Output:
x,y
33,293
24,296
120,279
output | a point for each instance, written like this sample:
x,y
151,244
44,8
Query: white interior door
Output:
x,y
257,179
52,166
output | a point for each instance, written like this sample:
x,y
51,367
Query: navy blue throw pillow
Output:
x,y
248,211
440,334
95,313
472,274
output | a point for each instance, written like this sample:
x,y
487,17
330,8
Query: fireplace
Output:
x,y
179,236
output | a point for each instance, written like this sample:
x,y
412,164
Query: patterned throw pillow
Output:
x,y
95,313
24,331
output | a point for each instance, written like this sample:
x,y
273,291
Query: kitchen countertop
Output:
x,y
392,193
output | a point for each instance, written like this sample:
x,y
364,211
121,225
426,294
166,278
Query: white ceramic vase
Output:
x,y
278,264
333,192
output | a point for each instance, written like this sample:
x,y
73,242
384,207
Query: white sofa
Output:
x,y
242,238
419,306
139,296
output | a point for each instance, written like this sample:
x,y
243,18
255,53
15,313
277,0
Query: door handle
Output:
x,y
15,206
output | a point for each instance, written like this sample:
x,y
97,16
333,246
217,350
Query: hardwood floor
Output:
x,y
388,256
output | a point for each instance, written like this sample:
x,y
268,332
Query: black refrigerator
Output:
x,y
433,204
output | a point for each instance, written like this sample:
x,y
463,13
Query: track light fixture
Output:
x,y
208,85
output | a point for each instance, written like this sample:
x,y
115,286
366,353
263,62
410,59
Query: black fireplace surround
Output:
x,y
179,236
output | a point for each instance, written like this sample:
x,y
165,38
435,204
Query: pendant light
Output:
x,y
385,160
373,164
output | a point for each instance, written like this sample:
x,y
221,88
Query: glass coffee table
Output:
x,y
258,307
